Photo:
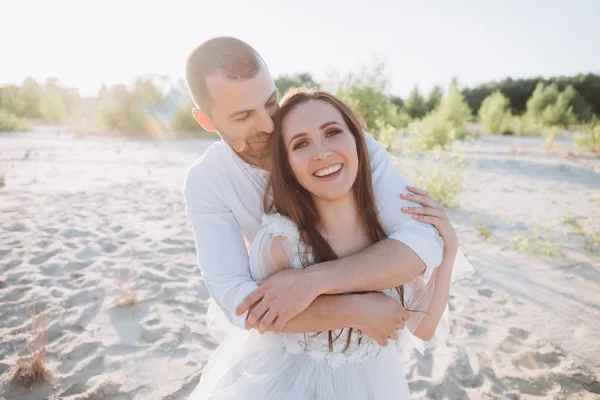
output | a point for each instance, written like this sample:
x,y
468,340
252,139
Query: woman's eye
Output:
x,y
333,132
299,145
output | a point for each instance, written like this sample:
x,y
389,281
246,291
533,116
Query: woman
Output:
x,y
320,206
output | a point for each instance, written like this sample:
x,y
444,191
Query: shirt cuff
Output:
x,y
429,248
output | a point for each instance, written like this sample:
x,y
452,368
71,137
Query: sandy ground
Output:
x,y
85,222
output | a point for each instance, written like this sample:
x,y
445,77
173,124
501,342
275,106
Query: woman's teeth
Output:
x,y
328,171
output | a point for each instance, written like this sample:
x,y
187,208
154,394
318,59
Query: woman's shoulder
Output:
x,y
280,225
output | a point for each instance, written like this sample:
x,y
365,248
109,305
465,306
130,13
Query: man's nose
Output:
x,y
265,122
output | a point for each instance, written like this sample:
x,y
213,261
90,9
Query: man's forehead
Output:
x,y
235,95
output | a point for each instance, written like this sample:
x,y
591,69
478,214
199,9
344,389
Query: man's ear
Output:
x,y
203,119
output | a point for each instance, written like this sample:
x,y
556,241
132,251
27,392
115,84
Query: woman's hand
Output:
x,y
432,213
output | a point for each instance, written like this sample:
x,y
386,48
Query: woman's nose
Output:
x,y
321,151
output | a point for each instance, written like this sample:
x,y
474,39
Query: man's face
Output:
x,y
243,110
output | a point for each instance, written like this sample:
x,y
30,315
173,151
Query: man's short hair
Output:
x,y
225,56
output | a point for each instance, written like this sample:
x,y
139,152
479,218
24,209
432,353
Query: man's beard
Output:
x,y
260,152
252,149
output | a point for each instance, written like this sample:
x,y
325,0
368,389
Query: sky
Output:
x,y
422,42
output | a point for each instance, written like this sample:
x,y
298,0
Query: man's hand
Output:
x,y
279,298
380,317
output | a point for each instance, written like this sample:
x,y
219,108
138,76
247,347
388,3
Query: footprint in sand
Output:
x,y
43,257
73,233
538,360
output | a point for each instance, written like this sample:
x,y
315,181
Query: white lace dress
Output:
x,y
248,365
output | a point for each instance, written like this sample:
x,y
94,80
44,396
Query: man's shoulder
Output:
x,y
205,168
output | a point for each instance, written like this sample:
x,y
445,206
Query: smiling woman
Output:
x,y
322,156
320,206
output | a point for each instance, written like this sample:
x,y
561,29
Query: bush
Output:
x,y
548,106
526,126
434,99
495,114
52,107
438,172
586,102
285,83
10,122
455,111
365,92
590,138
415,105
432,132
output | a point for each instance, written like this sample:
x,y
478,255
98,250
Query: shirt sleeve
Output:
x,y
388,184
220,247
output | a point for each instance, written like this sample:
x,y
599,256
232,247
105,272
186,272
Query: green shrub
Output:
x,y
10,122
525,125
432,132
455,111
495,114
590,138
548,106
438,172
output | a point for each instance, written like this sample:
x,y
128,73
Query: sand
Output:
x,y
86,223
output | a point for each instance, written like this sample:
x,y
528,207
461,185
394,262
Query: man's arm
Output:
x,y
375,314
220,246
411,249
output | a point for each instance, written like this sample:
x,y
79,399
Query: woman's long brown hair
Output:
x,y
289,198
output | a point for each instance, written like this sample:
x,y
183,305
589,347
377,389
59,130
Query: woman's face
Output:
x,y
321,149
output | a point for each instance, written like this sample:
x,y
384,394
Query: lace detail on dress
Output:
x,y
280,225
317,347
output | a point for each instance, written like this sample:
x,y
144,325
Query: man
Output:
x,y
236,97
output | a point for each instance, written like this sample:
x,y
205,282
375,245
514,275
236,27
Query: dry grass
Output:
x,y
483,230
32,369
126,295
536,243
591,237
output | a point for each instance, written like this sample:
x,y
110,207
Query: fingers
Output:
x,y
259,311
424,211
423,200
252,298
429,220
278,325
421,192
267,320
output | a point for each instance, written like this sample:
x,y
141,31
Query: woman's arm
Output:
x,y
433,213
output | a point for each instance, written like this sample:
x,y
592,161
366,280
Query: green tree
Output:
x,y
431,132
455,110
434,99
9,122
366,92
586,103
52,107
121,111
549,106
415,104
285,83
28,99
495,114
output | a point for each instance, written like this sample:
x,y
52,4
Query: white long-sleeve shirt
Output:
x,y
223,196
